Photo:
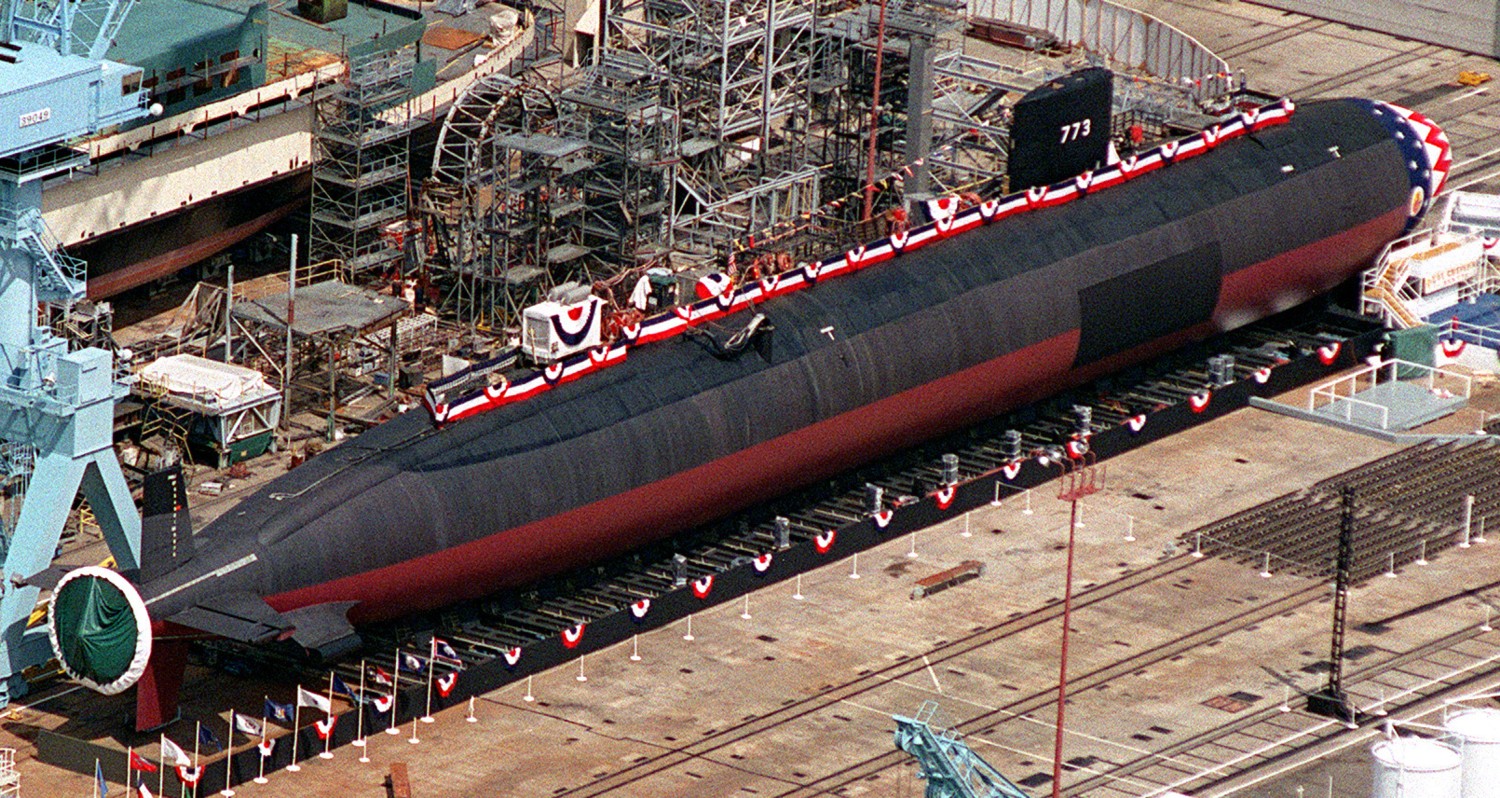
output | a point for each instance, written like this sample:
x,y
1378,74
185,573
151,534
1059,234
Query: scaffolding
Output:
x,y
624,111
739,79
362,167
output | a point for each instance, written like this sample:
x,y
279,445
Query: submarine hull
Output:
x,y
923,344
906,344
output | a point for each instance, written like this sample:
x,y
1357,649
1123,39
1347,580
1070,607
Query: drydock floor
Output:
x,y
796,699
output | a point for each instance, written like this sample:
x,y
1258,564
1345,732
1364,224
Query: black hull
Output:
x,y
407,516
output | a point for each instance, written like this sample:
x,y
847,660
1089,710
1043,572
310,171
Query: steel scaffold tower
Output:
x,y
623,109
740,72
362,165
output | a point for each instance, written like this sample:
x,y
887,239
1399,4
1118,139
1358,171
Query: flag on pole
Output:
x,y
248,726
339,688
380,676
142,791
442,652
446,683
281,713
101,787
138,762
310,699
172,751
266,746
411,663
206,737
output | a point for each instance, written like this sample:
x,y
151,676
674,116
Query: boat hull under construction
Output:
x,y
987,314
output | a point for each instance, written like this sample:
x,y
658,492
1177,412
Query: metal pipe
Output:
x,y
1062,675
229,316
291,315
874,113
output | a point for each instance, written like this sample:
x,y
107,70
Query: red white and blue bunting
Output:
x,y
944,496
703,586
571,636
446,683
762,563
824,541
324,727
951,220
638,609
1198,402
513,655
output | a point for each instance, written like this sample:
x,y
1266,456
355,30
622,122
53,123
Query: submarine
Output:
x,y
878,348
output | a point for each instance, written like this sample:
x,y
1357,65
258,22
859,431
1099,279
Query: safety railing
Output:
x,y
1341,392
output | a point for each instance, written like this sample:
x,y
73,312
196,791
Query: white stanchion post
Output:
x,y
966,533
328,718
581,677
528,698
913,553
470,718
635,648
746,614
995,502
1027,511
1129,529
359,709
1198,545
854,573
1468,520
798,595
1422,553
1265,567
414,738
1390,568
296,723
689,636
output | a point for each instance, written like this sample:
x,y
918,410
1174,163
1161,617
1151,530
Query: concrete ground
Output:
x,y
683,719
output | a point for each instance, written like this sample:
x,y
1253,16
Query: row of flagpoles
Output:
x,y
382,698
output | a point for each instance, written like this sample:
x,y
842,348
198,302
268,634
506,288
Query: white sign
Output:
x,y
36,117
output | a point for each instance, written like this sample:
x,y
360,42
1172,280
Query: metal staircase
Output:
x,y
949,765
60,277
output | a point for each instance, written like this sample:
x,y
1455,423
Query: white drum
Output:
x,y
1415,767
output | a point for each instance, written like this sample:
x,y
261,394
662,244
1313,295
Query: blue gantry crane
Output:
x,y
951,768
56,405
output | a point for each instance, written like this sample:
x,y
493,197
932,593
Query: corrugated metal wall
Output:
x,y
1461,24
1127,36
